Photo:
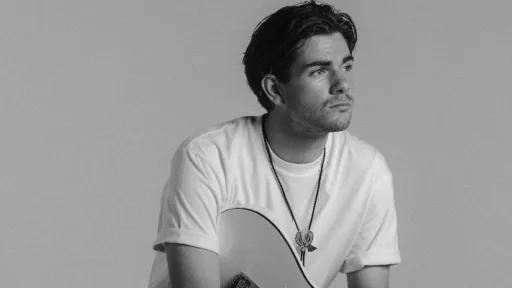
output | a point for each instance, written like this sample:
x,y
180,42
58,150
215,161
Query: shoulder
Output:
x,y
219,139
360,153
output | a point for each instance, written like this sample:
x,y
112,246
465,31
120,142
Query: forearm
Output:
x,y
369,277
192,267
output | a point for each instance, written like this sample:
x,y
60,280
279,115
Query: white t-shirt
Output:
x,y
227,166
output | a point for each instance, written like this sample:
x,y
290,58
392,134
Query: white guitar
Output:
x,y
249,241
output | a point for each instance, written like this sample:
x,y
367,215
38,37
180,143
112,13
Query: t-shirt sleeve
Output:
x,y
190,204
377,240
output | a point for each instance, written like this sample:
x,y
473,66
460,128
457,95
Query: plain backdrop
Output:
x,y
96,95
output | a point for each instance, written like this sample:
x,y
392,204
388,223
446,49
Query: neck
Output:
x,y
291,142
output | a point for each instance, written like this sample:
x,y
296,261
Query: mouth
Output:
x,y
342,105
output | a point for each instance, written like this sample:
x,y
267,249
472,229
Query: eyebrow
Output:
x,y
348,58
326,63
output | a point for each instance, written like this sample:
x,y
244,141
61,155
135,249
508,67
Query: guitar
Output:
x,y
250,244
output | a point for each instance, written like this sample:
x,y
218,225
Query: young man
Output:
x,y
296,163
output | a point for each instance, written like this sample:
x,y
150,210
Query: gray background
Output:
x,y
96,95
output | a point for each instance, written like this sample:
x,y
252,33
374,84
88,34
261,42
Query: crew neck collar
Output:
x,y
296,168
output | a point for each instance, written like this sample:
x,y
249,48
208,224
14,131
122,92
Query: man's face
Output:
x,y
317,96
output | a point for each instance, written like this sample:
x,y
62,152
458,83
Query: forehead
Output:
x,y
330,47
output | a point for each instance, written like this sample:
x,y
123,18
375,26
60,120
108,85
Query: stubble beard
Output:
x,y
319,125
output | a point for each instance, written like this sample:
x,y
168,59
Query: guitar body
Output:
x,y
251,244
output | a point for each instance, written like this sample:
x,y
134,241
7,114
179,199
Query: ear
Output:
x,y
270,85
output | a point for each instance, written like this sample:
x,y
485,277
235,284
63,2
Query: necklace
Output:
x,y
303,238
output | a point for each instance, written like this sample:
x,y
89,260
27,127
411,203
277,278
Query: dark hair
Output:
x,y
277,38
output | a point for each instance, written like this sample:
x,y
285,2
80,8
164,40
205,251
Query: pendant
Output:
x,y
304,239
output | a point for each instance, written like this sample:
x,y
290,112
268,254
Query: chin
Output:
x,y
333,126
321,124
339,128
339,124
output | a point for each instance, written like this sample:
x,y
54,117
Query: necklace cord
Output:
x,y
317,189
265,139
277,178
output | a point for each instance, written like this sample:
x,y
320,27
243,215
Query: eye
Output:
x,y
348,67
319,71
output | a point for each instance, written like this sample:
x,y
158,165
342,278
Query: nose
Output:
x,y
339,84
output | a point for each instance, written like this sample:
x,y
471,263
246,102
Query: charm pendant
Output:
x,y
304,239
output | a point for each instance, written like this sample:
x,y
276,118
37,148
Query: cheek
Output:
x,y
350,81
312,94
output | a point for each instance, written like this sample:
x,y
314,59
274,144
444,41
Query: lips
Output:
x,y
341,105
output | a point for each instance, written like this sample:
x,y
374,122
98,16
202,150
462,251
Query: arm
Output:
x,y
188,216
369,277
376,246
192,267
